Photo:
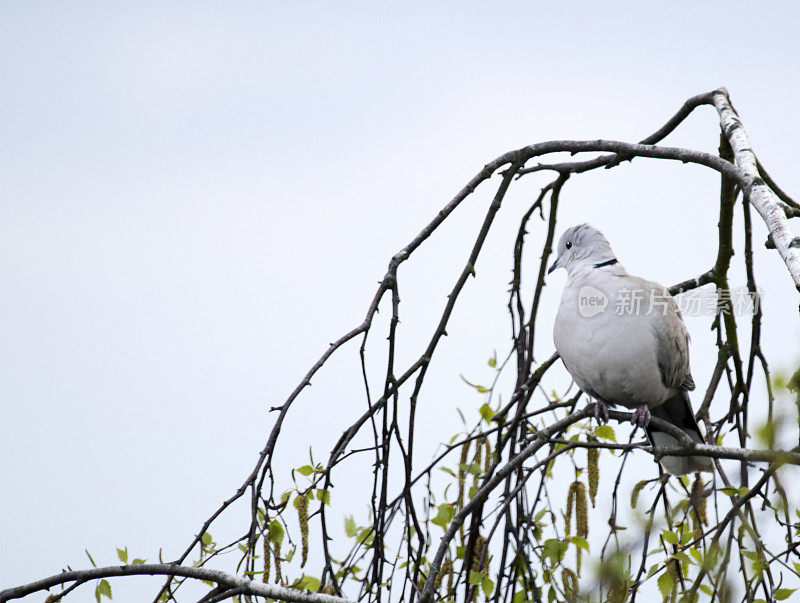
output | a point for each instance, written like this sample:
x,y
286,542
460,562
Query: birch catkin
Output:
x,y
698,496
570,504
581,511
593,471
570,582
489,458
301,504
581,519
635,492
278,576
267,555
698,499
462,472
447,570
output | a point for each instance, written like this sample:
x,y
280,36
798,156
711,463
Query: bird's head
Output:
x,y
582,244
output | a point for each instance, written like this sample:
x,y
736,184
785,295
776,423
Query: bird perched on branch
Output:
x,y
623,340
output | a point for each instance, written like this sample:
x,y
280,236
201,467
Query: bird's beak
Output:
x,y
553,267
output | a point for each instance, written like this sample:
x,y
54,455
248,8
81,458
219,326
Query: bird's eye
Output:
x,y
569,245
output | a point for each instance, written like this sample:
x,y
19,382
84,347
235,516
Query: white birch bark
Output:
x,y
245,585
758,193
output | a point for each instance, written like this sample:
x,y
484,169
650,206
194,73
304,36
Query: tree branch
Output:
x,y
243,585
608,161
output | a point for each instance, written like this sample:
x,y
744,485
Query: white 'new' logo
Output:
x,y
591,301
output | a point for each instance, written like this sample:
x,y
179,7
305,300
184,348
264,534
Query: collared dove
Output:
x,y
623,340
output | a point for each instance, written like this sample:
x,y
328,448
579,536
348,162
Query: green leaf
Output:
x,y
276,531
486,412
350,527
475,578
444,515
493,360
479,388
794,383
683,558
302,582
206,539
308,583
554,549
122,554
669,536
784,593
579,542
324,496
711,556
687,534
681,506
138,561
665,584
487,586
732,491
103,589
606,432
305,470
366,536
473,468
766,433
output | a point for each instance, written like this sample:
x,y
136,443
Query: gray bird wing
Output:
x,y
672,338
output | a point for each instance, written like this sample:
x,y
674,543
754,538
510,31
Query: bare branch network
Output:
x,y
505,536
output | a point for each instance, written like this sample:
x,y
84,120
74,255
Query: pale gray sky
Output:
x,y
195,198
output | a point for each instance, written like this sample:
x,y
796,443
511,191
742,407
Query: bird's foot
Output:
x,y
600,411
641,416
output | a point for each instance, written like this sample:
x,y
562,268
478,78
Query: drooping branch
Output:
x,y
608,161
241,585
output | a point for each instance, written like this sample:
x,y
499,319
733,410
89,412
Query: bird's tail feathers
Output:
x,y
678,411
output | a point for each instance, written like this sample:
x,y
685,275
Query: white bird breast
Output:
x,y
607,349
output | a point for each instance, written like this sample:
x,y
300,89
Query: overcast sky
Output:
x,y
195,198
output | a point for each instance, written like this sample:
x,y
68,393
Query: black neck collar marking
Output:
x,y
606,263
